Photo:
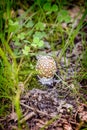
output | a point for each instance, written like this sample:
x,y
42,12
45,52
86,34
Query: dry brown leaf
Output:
x,y
13,116
59,128
67,126
83,116
74,12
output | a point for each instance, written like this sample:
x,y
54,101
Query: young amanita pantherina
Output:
x,y
46,66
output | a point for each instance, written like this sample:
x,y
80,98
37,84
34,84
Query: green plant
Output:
x,y
84,59
72,34
50,8
83,72
37,42
63,16
8,66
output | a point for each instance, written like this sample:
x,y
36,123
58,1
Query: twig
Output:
x,y
40,121
30,115
34,109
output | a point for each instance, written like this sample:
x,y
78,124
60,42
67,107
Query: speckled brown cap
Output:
x,y
46,66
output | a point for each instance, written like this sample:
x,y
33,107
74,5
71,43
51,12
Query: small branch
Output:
x,y
30,115
35,110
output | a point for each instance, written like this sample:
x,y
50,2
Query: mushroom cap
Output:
x,y
46,66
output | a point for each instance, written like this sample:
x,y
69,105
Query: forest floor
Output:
x,y
61,105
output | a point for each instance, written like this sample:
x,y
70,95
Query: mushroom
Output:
x,y
46,66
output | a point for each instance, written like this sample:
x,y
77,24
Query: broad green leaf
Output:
x,y
39,34
26,50
36,40
40,26
13,26
54,8
17,43
41,43
67,19
47,6
63,16
63,12
17,52
21,36
26,41
29,24
34,45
